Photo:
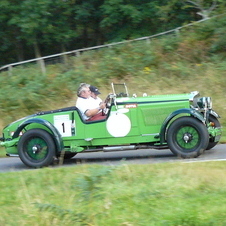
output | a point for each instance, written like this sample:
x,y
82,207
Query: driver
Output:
x,y
87,105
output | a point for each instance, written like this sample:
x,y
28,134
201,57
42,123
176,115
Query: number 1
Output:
x,y
63,127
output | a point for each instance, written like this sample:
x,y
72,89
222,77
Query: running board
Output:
x,y
123,148
12,155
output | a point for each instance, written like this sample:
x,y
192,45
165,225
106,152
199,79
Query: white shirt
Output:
x,y
97,101
84,104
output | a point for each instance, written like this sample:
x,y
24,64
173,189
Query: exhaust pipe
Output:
x,y
120,148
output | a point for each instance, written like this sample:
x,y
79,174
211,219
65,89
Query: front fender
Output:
x,y
213,113
190,111
56,135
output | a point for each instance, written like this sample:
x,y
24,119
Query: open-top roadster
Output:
x,y
185,123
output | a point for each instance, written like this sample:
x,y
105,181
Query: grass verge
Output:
x,y
156,194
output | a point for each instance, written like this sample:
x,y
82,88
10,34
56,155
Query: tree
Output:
x,y
11,41
51,26
173,13
30,18
60,26
205,8
87,18
128,19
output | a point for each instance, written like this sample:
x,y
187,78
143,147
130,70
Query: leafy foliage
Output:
x,y
61,213
89,185
88,188
32,28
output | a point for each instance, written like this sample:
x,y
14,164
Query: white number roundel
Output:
x,y
118,125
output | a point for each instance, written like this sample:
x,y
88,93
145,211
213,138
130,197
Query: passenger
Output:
x,y
94,94
86,104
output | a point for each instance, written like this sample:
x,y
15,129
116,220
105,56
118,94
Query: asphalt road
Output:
x,y
142,156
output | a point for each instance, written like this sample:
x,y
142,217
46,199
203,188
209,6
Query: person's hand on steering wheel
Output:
x,y
108,102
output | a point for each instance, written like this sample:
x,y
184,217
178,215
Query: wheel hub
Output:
x,y
36,148
187,137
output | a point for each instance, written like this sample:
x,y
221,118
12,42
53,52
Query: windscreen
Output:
x,y
120,90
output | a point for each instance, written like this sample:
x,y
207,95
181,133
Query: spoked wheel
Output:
x,y
187,137
36,148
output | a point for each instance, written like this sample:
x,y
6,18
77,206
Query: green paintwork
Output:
x,y
43,146
147,119
180,135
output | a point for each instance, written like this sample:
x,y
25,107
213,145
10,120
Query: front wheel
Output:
x,y
36,148
187,137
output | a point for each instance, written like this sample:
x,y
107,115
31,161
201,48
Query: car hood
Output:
x,y
154,98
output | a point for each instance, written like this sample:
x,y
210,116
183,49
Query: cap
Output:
x,y
94,90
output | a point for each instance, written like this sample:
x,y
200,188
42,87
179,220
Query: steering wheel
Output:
x,y
108,102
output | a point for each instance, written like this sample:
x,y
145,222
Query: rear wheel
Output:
x,y
36,148
187,137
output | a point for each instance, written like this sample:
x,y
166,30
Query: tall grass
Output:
x,y
156,194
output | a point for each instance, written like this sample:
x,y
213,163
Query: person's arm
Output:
x,y
92,112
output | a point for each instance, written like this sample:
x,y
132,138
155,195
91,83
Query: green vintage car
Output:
x,y
185,123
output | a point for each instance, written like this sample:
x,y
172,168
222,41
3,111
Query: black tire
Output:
x,y
187,137
211,140
36,148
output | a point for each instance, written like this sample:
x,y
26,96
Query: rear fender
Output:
x,y
56,135
166,122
